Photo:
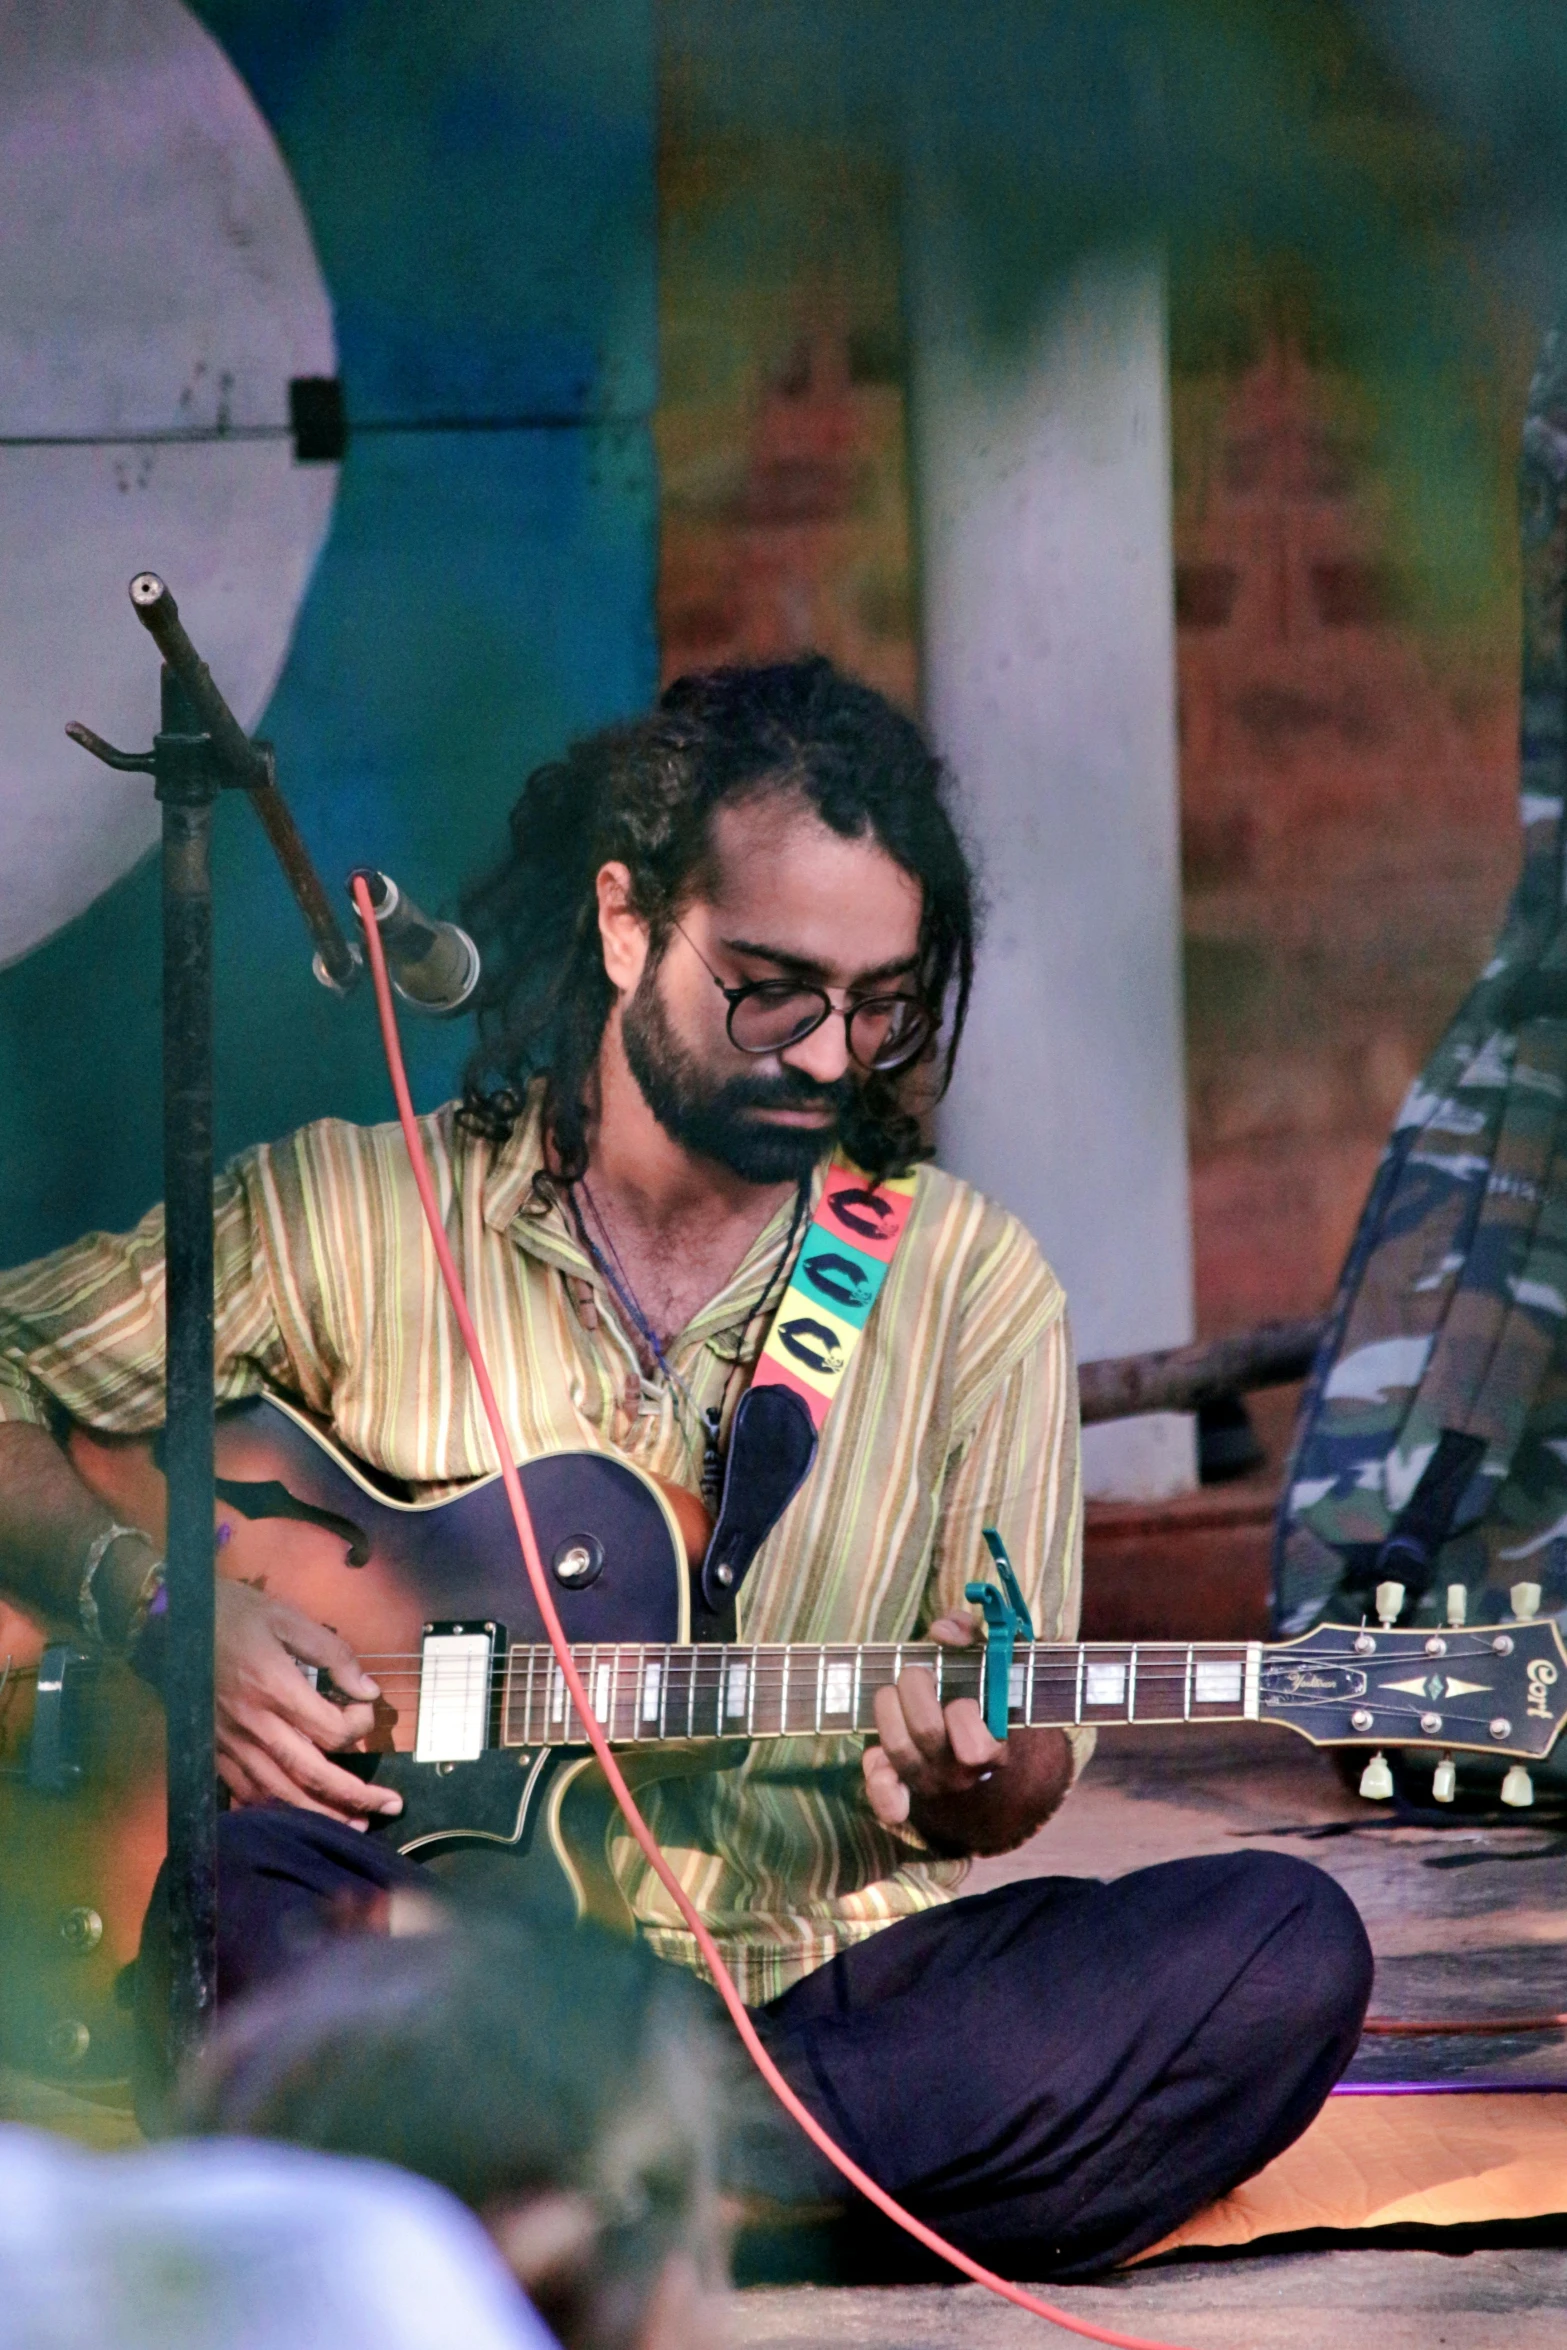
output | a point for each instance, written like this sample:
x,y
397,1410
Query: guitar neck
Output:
x,y
660,1692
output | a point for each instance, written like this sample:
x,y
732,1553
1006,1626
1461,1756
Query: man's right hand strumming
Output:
x,y
274,1732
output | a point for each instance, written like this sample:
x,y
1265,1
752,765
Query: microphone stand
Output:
x,y
200,750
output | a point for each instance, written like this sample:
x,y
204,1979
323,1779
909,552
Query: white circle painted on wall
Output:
x,y
158,292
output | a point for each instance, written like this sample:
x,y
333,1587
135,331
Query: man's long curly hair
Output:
x,y
644,794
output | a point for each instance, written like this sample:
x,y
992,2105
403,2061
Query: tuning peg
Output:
x,y
1444,1781
1457,1605
1376,1780
1389,1602
1518,1788
1525,1598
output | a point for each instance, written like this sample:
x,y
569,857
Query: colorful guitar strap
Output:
x,y
849,1244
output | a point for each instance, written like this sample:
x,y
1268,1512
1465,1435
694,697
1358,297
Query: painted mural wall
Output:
x,y
1349,774
466,200
1347,705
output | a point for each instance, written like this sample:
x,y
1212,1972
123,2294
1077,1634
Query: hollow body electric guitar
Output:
x,y
477,1732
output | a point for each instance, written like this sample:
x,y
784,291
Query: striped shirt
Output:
x,y
958,1411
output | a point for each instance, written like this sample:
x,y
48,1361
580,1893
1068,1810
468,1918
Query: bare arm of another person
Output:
x,y
274,1732
937,1769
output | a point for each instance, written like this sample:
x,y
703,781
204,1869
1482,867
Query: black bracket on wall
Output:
x,y
318,419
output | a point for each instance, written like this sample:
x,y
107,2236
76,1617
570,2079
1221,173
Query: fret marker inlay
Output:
x,y
1218,1681
838,1690
1106,1684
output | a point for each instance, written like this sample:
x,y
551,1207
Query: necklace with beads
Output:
x,y
705,1422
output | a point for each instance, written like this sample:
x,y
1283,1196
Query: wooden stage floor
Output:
x,y
1466,1920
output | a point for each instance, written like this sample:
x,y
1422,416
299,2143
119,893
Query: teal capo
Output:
x,y
1007,1621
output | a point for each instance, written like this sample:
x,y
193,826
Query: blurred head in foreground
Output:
x,y
560,2084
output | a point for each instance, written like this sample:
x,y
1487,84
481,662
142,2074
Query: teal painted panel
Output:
x,y
480,184
483,598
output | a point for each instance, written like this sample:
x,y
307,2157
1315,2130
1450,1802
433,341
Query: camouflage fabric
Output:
x,y
1445,1357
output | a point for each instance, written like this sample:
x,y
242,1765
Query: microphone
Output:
x,y
433,965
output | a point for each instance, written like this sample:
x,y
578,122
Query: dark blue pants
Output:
x,y
1055,2073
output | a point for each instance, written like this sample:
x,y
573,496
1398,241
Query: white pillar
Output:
x,y
1043,515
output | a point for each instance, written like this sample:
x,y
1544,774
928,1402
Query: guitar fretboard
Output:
x,y
659,1692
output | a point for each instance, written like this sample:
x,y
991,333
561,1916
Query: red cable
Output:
x,y
1431,2027
545,1602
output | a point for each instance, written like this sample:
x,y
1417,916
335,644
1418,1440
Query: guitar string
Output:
x,y
1480,1649
1204,1650
687,1680
1059,1657
767,1673
789,1693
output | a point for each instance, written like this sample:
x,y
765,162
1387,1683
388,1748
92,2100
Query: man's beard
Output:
x,y
710,1117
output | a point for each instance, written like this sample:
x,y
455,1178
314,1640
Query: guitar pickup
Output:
x,y
55,1757
459,1695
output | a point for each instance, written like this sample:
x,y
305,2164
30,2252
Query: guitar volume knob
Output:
x,y
67,2042
81,1930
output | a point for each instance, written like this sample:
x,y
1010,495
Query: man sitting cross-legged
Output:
x,y
728,937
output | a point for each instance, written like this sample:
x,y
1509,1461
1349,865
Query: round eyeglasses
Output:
x,y
768,1015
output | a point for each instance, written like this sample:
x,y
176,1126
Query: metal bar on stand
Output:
x,y
187,784
201,749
